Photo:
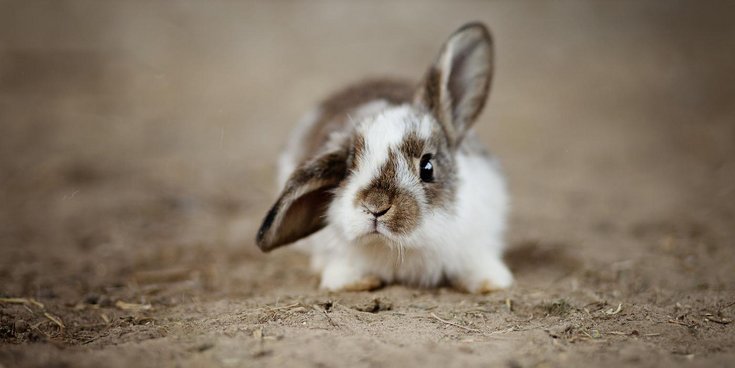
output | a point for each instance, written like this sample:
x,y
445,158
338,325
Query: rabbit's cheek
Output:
x,y
404,216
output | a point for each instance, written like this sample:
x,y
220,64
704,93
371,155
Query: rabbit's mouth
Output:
x,y
378,231
382,228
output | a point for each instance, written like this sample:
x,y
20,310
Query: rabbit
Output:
x,y
390,184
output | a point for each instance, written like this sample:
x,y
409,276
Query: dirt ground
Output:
x,y
137,152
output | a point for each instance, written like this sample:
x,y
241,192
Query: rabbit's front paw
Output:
x,y
340,275
488,276
367,283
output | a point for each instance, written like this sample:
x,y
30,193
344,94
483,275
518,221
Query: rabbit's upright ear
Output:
x,y
301,208
456,86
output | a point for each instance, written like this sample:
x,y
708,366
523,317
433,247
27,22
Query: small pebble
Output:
x,y
21,326
104,301
92,298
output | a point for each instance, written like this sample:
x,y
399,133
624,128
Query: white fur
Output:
x,y
463,243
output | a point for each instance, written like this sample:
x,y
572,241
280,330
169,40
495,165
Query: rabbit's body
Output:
x,y
393,184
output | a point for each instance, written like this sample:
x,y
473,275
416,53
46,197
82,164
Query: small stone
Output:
x,y
204,346
21,326
104,301
92,298
374,305
34,336
561,331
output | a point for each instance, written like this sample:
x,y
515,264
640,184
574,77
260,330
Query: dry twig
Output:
x,y
55,320
132,306
25,301
611,312
454,324
681,323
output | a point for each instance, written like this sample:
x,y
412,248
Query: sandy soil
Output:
x,y
137,145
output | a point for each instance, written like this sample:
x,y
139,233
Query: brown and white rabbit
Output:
x,y
393,184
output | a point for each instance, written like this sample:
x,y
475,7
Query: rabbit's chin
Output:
x,y
370,234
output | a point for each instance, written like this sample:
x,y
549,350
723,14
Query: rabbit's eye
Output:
x,y
427,169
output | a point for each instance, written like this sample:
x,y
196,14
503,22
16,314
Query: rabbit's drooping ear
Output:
x,y
456,86
301,208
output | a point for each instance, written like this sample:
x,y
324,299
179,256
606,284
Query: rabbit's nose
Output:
x,y
376,209
379,213
376,203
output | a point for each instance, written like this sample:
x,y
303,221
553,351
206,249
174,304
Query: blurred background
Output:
x,y
142,135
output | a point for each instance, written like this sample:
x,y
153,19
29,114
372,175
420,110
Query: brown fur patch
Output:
x,y
386,179
441,191
412,146
335,109
382,187
383,192
487,287
429,96
367,283
404,215
358,151
328,167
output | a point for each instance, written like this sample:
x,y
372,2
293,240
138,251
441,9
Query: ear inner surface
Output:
x,y
456,86
301,208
